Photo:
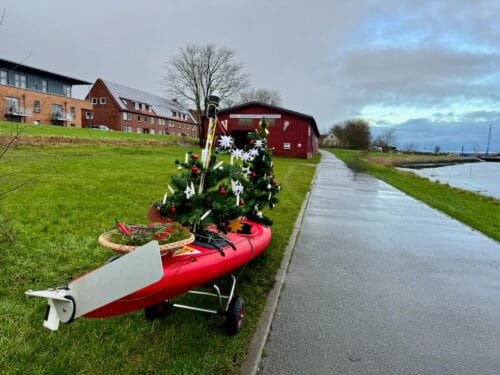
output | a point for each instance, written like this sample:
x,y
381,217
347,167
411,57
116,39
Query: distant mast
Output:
x,y
489,139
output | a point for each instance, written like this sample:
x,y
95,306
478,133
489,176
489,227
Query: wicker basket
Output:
x,y
124,249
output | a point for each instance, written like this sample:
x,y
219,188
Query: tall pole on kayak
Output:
x,y
213,106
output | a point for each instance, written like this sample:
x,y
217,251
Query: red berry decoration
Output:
x,y
274,182
252,142
254,174
195,156
194,168
222,191
172,210
242,202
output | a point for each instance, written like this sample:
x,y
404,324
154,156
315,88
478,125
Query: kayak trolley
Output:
x,y
230,306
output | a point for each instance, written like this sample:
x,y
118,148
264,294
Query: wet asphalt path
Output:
x,y
380,283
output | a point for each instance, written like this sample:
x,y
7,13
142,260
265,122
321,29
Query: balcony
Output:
x,y
61,116
16,111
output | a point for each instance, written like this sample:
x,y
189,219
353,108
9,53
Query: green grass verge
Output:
x,y
29,130
49,236
477,211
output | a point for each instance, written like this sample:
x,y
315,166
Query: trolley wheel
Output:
x,y
234,315
157,311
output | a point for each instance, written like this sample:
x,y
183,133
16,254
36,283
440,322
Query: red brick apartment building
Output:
x,y
34,96
126,109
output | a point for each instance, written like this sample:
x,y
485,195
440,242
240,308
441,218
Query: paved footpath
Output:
x,y
379,283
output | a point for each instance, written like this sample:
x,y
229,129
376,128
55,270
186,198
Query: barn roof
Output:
x,y
161,106
273,107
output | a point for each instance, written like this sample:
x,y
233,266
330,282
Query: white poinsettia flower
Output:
x,y
253,152
237,153
189,191
237,187
247,156
245,171
226,141
259,143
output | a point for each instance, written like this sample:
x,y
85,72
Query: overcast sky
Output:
x,y
431,69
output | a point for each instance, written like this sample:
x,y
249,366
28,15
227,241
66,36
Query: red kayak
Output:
x,y
196,264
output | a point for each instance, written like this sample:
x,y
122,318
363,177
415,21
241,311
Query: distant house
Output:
x,y
126,109
329,140
35,96
291,134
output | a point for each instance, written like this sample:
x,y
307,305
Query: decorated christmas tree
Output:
x,y
207,191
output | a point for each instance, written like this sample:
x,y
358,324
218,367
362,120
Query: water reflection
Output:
x,y
482,178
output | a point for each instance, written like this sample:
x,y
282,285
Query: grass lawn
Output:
x,y
49,231
477,211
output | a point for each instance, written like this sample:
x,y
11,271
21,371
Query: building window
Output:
x,y
138,118
89,115
44,86
94,100
129,116
151,131
124,102
12,104
245,122
73,112
73,125
139,130
103,100
286,146
67,91
36,106
143,106
194,128
57,111
152,120
36,122
20,81
299,145
136,106
3,77
145,119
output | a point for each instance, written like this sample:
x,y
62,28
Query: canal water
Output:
x,y
482,178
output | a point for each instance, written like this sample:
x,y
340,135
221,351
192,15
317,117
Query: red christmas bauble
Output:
x,y
274,182
222,191
252,141
254,174
195,156
172,210
194,168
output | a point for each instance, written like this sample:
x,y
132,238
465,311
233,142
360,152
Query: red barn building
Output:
x,y
291,133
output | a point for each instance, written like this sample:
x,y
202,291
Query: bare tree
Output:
x,y
386,140
267,96
200,71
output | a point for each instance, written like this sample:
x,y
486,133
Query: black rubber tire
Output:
x,y
157,311
234,316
